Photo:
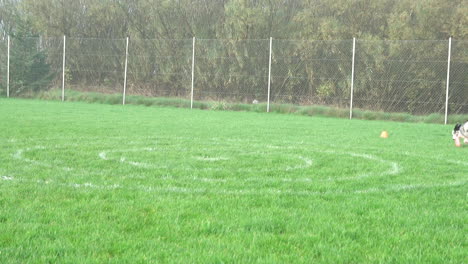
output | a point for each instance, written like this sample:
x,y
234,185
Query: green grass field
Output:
x,y
90,183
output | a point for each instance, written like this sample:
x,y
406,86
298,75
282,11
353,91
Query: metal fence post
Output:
x,y
269,76
193,72
8,66
352,81
125,73
63,66
448,79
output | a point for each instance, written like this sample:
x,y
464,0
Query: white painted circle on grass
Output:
x,y
300,162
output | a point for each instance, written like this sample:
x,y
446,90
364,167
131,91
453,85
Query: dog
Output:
x,y
460,131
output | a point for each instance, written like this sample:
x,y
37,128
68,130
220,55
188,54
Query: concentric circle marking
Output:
x,y
104,155
303,163
241,192
19,154
302,159
204,163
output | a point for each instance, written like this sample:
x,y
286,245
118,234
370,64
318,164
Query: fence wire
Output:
x,y
3,66
95,65
401,76
231,70
311,72
35,65
458,91
389,76
160,68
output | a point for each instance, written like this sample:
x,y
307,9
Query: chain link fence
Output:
x,y
389,75
458,89
35,65
95,65
3,66
231,70
160,68
401,76
311,72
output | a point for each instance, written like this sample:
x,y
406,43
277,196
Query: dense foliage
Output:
x,y
241,19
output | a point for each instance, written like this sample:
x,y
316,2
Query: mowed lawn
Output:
x,y
90,183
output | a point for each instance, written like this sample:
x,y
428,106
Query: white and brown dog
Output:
x,y
460,131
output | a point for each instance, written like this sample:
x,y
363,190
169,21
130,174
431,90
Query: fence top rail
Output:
x,y
253,39
313,40
233,39
403,40
96,38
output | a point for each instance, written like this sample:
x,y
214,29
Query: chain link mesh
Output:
x,y
231,70
35,65
160,68
3,66
458,92
311,72
401,76
95,65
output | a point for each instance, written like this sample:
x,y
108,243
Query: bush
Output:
x,y
29,71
